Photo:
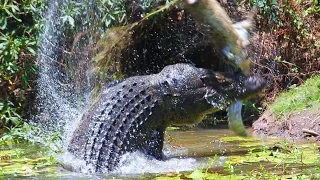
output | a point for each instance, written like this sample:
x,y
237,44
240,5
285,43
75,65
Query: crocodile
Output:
x,y
132,115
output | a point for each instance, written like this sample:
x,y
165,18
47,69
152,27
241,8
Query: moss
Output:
x,y
297,99
109,48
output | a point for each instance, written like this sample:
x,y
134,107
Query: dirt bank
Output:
x,y
291,129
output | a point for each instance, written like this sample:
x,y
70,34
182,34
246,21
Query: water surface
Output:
x,y
186,151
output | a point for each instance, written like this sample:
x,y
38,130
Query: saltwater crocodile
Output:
x,y
133,114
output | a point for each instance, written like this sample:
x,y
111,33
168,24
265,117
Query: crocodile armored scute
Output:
x,y
132,115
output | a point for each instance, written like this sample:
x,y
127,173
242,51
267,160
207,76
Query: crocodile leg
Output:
x,y
154,145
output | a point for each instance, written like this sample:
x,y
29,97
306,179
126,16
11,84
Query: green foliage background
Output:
x,y
20,25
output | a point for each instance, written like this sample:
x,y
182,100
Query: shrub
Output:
x,y
19,25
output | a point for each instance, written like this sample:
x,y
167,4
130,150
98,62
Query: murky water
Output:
x,y
186,151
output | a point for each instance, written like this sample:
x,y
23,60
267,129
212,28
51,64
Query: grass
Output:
x,y
297,99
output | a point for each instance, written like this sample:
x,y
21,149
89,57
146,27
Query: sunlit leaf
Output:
x,y
3,23
15,120
1,106
197,174
31,50
12,15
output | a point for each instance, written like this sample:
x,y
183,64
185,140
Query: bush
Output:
x,y
19,25
286,47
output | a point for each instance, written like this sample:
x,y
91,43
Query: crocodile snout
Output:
x,y
253,85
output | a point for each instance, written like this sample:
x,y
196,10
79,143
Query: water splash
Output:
x,y
137,163
58,104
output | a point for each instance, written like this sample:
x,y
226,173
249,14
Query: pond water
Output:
x,y
192,154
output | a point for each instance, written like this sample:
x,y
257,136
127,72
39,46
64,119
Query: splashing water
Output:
x,y
137,163
58,107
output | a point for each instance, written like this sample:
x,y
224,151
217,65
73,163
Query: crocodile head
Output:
x,y
232,86
196,92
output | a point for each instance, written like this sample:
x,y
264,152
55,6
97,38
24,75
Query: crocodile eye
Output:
x,y
222,79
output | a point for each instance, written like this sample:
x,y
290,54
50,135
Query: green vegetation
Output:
x,y
296,11
26,160
297,99
291,29
283,160
280,160
107,13
20,25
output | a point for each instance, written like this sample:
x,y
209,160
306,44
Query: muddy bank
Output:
x,y
295,127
